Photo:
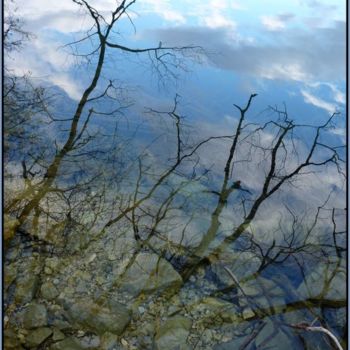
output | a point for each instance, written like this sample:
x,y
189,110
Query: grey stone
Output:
x,y
61,324
11,340
174,309
47,270
280,340
37,336
26,288
10,225
27,281
173,334
52,263
147,329
35,315
113,317
216,311
241,264
80,333
57,335
12,253
207,336
261,292
109,341
316,283
67,344
247,313
148,273
49,291
81,287
90,342
89,259
10,273
121,247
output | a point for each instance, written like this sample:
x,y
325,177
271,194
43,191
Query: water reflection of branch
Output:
x,y
311,328
276,176
251,337
260,313
235,280
338,249
165,59
269,188
298,305
183,153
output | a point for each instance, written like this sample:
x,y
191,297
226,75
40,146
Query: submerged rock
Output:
x,y
241,264
49,291
35,315
326,282
26,288
52,263
277,338
10,225
109,341
10,273
38,336
261,293
90,342
27,281
173,334
113,317
67,344
57,335
148,273
216,311
11,340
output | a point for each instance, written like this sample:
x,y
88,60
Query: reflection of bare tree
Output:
x,y
297,241
87,181
278,173
184,154
78,138
14,36
323,260
297,245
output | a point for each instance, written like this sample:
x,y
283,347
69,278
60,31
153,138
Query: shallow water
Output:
x,y
168,296
136,226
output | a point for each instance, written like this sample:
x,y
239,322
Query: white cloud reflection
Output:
x,y
302,54
272,23
318,102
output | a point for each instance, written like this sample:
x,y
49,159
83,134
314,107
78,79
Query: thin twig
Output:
x,y
250,338
307,327
236,281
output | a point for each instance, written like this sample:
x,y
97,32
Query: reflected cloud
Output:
x,y
164,10
337,94
296,55
319,5
113,225
276,23
66,82
61,16
318,102
217,20
47,62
